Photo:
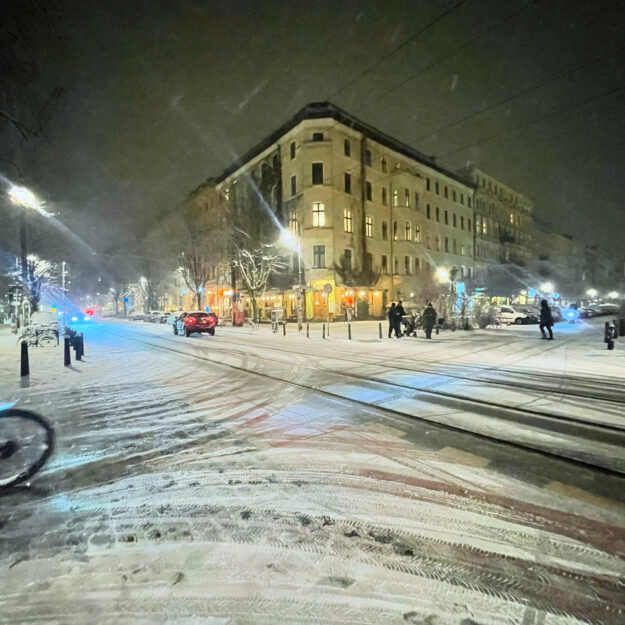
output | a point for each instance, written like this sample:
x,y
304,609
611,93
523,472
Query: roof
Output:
x,y
327,110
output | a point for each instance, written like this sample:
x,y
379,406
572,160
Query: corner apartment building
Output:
x,y
372,214
503,222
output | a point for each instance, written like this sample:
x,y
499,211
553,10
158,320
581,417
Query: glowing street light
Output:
x,y
592,293
547,287
442,274
613,295
21,196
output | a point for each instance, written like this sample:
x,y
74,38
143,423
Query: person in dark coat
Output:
x,y
429,320
546,320
399,314
391,319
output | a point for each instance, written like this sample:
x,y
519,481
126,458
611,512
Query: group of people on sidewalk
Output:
x,y
396,313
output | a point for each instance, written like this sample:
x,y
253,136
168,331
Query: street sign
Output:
x,y
327,288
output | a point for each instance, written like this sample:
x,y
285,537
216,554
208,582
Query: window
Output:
x,y
347,255
470,270
319,215
292,149
462,199
462,221
369,226
436,187
317,136
407,197
347,220
369,190
469,202
438,214
455,246
368,157
455,221
408,231
428,211
454,195
417,264
319,256
384,263
428,240
395,231
395,197
317,173
462,250
438,242
469,227
511,218
293,185
417,233
347,147
368,261
383,165
293,229
445,190
384,230
446,217
427,184
416,201
384,196
396,265
348,183
407,265
446,244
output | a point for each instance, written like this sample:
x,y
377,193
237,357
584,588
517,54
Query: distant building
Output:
x,y
374,215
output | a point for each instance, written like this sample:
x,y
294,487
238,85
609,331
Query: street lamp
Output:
x,y
289,241
592,293
613,295
547,287
442,274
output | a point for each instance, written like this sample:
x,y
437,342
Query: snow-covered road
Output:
x,y
255,478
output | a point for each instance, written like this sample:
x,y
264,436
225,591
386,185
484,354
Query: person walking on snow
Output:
x,y
429,320
546,320
391,319
399,314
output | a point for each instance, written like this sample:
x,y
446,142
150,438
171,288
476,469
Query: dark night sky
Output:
x,y
162,94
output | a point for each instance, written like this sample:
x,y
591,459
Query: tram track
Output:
x,y
576,433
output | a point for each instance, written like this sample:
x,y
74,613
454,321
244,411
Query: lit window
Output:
x,y
317,173
369,226
462,250
407,197
408,231
347,220
293,222
395,197
319,215
395,232
319,256
417,233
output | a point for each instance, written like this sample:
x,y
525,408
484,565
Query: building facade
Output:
x,y
372,217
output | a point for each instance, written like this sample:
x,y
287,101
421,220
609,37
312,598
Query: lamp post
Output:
x,y
289,240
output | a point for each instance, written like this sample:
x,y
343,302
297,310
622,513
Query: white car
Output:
x,y
44,321
136,315
508,314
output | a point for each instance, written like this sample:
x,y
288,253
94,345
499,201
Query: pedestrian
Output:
x,y
429,320
391,319
546,320
399,315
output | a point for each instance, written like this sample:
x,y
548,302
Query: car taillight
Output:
x,y
190,320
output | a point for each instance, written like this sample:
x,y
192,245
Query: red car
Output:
x,y
195,322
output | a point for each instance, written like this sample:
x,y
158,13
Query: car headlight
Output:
x,y
86,318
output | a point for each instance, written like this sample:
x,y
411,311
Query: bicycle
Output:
x,y
249,323
26,443
40,338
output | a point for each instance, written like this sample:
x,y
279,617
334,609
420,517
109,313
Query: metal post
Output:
x,y
24,366
380,329
82,344
308,330
349,331
284,328
323,334
67,359
299,282
328,327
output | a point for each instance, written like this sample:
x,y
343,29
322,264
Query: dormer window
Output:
x,y
317,136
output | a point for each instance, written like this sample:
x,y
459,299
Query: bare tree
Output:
x,y
255,264
41,274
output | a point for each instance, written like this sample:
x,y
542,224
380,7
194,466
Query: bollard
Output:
x,y
621,327
438,329
77,350
308,330
328,332
616,332
284,328
67,359
380,329
349,331
82,344
24,365
323,334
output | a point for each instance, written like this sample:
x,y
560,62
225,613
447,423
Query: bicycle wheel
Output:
x,y
26,442
47,340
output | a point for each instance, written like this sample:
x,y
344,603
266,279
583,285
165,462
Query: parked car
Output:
x,y
44,320
136,315
188,323
154,316
518,316
164,318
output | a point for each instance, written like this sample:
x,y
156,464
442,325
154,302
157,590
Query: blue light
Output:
x,y
532,293
126,299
